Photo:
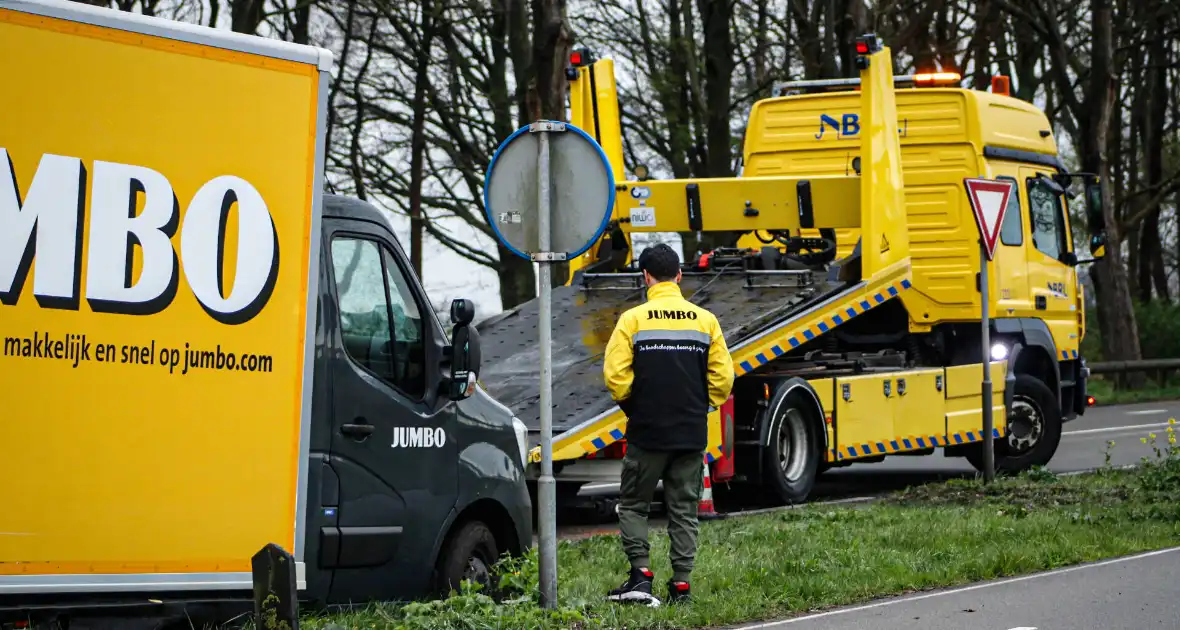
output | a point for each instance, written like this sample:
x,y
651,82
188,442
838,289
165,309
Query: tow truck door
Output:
x,y
1052,281
1010,278
393,442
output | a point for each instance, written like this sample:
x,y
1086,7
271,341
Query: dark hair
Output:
x,y
660,261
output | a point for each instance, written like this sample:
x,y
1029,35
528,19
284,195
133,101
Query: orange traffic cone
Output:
x,y
705,508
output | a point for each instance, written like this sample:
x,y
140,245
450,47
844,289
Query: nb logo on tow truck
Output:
x,y
849,125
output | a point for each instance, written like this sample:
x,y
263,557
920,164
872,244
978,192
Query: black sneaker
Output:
x,y
678,592
637,588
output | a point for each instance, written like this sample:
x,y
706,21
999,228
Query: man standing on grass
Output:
x,y
666,364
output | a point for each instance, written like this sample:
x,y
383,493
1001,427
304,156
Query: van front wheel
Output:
x,y
469,554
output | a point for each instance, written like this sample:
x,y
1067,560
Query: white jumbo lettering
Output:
x,y
54,211
418,437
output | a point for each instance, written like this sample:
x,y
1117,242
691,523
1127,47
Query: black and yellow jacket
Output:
x,y
666,364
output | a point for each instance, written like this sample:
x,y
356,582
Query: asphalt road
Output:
x,y
1133,593
1083,447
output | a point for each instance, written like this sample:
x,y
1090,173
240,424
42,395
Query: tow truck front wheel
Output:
x,y
1034,429
790,460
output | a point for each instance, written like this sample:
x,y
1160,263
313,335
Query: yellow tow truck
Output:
x,y
851,300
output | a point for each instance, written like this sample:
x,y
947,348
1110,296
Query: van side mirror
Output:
x,y
462,312
464,350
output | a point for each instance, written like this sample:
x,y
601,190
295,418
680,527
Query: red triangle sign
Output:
x,y
989,201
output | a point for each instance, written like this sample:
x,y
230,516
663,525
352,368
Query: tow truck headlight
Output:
x,y
999,352
522,440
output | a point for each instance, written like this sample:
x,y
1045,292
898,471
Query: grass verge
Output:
x,y
1105,393
789,562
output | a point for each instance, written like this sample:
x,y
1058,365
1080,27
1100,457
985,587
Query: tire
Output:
x,y
468,554
791,461
1034,429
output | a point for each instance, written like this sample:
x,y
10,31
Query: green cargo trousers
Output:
x,y
683,475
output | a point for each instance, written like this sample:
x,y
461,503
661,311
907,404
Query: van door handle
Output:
x,y
358,431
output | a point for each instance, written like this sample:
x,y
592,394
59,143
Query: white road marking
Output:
x,y
1024,628
1159,425
1146,412
965,589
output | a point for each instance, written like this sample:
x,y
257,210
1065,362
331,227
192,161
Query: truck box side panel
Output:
x,y
156,445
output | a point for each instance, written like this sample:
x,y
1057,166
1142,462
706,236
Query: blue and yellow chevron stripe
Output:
x,y
1069,354
602,439
910,443
713,454
795,337
610,436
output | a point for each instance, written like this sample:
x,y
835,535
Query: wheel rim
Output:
x,y
1026,425
477,570
792,445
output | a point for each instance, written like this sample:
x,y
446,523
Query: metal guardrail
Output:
x,y
1145,365
1160,368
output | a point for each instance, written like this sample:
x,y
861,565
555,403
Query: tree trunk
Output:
x,y
246,15
717,16
1120,336
986,15
517,281
300,31
510,40
551,48
1154,125
1028,51
675,94
418,130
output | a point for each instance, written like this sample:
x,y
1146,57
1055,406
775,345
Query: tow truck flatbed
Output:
x,y
762,315
584,316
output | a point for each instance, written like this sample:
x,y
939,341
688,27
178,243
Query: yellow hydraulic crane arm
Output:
x,y
594,108
884,231
873,202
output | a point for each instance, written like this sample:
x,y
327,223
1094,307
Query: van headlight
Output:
x,y
522,440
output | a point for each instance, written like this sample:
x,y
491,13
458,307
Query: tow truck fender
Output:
x,y
782,390
1033,344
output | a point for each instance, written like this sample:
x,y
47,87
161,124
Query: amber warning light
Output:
x,y
937,78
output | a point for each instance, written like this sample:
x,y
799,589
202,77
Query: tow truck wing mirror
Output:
x,y
464,351
1095,217
1052,184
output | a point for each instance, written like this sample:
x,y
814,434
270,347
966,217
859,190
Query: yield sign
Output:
x,y
989,200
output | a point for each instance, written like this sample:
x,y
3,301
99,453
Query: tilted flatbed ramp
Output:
x,y
762,315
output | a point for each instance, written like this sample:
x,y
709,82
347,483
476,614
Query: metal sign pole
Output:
x,y
549,194
989,464
546,485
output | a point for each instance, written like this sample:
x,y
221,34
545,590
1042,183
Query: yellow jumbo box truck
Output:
x,y
203,354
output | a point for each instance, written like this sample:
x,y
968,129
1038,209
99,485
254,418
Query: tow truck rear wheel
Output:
x,y
790,461
1034,429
